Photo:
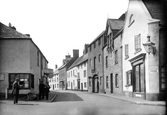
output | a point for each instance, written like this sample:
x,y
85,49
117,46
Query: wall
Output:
x,y
14,58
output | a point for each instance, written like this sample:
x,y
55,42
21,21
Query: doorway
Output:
x,y
111,83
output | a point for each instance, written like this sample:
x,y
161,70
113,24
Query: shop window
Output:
x,y
139,78
26,81
84,73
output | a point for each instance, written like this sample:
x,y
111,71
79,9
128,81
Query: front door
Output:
x,y
81,86
111,82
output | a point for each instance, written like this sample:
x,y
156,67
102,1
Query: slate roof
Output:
x,y
84,58
75,63
8,32
116,24
155,8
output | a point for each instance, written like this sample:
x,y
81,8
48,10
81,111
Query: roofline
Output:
x,y
97,37
25,39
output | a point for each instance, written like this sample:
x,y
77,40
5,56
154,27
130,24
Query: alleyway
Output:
x,y
78,103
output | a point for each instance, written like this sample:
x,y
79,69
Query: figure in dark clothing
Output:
x,y
41,90
15,90
47,87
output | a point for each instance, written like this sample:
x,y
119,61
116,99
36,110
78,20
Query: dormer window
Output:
x,y
131,20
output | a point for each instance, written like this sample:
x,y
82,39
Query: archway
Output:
x,y
95,84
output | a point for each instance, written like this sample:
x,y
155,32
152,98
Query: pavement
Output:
x,y
54,94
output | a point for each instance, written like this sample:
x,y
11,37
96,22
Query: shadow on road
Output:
x,y
67,97
26,104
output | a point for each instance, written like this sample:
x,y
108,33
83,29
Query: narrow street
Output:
x,y
78,103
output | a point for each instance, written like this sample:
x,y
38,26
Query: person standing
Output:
x,y
41,90
15,90
47,87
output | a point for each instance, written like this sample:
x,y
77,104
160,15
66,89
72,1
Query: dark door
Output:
x,y
78,84
111,82
81,86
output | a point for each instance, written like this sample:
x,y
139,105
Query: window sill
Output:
x,y
117,87
138,50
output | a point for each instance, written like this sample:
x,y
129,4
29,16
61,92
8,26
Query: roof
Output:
x,y
84,58
97,38
115,24
155,8
8,32
75,63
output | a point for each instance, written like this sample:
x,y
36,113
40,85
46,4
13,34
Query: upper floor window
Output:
x,y
90,48
99,57
38,58
126,51
84,73
95,44
99,41
116,56
128,77
106,61
137,40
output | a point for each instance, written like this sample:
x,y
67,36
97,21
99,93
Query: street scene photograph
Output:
x,y
83,57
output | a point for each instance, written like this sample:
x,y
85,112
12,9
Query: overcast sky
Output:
x,y
59,26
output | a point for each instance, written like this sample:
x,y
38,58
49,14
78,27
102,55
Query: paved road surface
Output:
x,y
79,103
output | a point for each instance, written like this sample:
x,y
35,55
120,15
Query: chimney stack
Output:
x,y
75,53
56,66
85,49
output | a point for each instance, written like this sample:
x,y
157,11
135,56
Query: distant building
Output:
x,y
95,65
54,80
21,58
67,62
77,73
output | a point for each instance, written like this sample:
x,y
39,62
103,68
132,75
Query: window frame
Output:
x,y
116,81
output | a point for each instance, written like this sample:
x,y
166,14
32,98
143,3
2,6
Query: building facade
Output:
x,y
54,80
64,68
112,52
144,51
95,65
20,58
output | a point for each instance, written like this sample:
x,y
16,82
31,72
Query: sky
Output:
x,y
59,26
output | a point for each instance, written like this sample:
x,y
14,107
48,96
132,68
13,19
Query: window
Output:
x,y
163,79
95,44
90,82
137,43
139,78
95,63
73,73
99,57
116,56
99,41
90,48
116,80
84,84
78,75
128,78
107,86
38,58
106,61
84,73
41,62
26,81
126,51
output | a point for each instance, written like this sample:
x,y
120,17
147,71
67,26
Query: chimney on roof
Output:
x,y
75,53
10,25
85,49
56,66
